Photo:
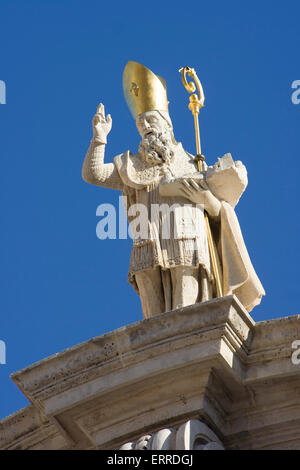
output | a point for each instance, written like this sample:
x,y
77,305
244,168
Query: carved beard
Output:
x,y
156,148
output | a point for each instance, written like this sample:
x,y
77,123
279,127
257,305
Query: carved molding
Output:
x,y
192,435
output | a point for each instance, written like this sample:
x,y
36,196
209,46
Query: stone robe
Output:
x,y
190,247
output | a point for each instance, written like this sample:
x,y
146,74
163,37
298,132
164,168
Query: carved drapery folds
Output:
x,y
192,435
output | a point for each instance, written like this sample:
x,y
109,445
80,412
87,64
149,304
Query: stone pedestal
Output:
x,y
205,376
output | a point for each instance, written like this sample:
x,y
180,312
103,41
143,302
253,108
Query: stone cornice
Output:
x,y
209,360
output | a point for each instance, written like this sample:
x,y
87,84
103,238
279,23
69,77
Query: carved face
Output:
x,y
157,145
151,122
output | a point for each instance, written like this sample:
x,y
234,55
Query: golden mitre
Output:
x,y
143,90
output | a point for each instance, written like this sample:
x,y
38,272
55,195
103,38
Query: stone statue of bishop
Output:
x,y
170,272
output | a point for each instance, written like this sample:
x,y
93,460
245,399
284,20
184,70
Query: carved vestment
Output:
x,y
141,186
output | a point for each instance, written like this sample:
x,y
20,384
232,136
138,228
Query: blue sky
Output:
x,y
60,285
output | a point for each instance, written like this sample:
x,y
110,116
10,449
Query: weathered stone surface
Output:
x,y
227,179
207,362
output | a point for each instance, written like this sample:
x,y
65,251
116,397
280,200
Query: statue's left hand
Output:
x,y
195,192
199,193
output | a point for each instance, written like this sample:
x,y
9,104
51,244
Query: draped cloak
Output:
x,y
190,247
